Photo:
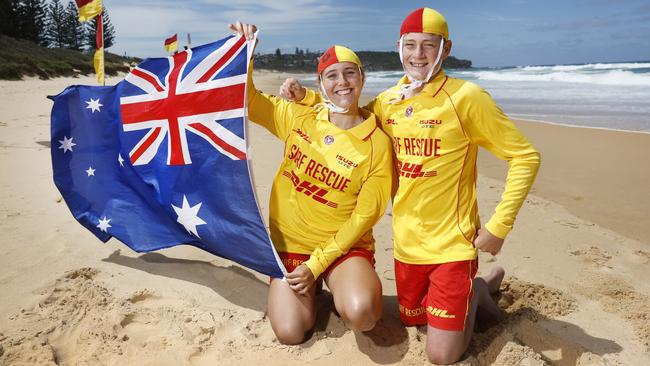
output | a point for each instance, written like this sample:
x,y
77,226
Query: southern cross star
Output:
x,y
90,171
93,105
188,216
104,224
66,144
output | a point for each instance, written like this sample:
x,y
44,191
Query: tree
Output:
x,y
73,32
278,54
32,21
55,33
24,19
9,17
91,31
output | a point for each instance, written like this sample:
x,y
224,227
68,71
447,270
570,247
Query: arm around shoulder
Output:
x,y
275,114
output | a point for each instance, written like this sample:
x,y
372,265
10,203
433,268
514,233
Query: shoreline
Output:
x,y
577,126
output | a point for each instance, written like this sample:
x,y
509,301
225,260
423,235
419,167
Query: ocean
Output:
x,y
602,95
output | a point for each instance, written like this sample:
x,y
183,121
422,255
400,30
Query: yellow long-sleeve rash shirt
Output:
x,y
435,137
333,185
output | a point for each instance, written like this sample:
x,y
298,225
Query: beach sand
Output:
x,y
577,264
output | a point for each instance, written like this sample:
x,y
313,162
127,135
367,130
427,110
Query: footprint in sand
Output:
x,y
534,202
389,275
595,255
573,225
142,295
617,296
643,256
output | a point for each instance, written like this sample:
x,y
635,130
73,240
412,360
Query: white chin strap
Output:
x,y
416,83
328,103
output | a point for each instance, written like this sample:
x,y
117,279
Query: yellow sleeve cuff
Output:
x,y
497,229
314,266
321,258
311,98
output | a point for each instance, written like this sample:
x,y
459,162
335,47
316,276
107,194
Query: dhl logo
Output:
x,y
408,170
439,313
302,134
391,121
309,189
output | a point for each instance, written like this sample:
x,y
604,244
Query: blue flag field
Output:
x,y
160,159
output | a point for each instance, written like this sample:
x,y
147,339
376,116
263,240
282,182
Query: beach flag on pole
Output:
x,y
160,159
171,44
98,58
88,9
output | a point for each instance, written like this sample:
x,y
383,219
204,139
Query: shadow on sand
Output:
x,y
233,283
558,342
242,288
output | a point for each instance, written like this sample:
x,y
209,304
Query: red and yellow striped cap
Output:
x,y
425,20
336,54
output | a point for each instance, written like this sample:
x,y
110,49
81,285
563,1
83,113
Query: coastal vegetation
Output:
x,y
46,39
306,61
19,57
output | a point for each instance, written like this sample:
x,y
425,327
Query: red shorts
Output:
x,y
293,260
435,294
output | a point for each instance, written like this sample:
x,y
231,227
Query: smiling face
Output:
x,y
342,82
419,53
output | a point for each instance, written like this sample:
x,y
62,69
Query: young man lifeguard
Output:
x,y
437,124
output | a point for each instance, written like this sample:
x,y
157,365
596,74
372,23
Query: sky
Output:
x,y
487,32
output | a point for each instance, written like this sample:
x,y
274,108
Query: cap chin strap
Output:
x,y
407,89
328,103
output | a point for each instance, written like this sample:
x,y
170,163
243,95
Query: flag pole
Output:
x,y
189,41
104,78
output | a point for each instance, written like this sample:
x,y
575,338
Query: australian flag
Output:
x,y
160,159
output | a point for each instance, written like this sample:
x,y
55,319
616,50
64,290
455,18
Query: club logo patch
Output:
x,y
329,139
409,111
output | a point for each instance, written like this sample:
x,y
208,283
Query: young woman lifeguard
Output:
x,y
332,187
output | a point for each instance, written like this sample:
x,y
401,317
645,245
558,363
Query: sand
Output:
x,y
576,292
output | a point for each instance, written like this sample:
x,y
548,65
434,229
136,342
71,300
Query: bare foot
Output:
x,y
486,303
494,278
488,312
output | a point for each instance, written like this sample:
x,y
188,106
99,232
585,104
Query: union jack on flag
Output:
x,y
160,158
186,94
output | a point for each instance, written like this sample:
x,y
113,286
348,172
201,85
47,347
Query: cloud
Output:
x,y
206,20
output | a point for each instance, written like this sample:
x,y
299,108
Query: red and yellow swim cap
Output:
x,y
425,20
336,54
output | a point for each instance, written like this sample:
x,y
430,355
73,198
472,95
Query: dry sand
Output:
x,y
576,292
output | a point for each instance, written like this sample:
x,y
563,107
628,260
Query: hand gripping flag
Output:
x,y
160,158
